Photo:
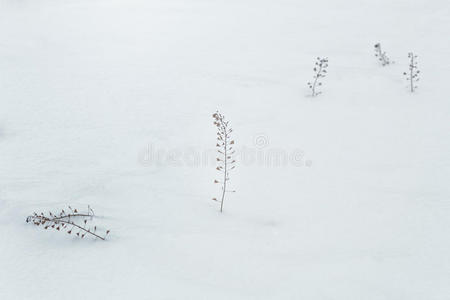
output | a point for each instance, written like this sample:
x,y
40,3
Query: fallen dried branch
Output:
x,y
68,221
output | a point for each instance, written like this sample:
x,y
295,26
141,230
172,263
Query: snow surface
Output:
x,y
90,89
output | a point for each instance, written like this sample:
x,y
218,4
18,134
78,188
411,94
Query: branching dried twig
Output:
x,y
382,56
320,71
68,221
226,151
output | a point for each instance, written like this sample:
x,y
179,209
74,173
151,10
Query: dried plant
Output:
x,y
320,70
71,222
382,57
225,150
413,73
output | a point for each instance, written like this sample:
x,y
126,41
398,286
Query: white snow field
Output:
x,y
341,196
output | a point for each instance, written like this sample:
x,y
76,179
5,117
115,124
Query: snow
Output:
x,y
90,89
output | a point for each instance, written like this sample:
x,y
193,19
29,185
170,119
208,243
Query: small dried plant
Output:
x,y
320,70
381,55
412,76
71,221
225,161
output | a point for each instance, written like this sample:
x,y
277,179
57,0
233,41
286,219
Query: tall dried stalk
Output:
x,y
225,151
412,76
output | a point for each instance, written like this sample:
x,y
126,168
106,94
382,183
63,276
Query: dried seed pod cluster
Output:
x,y
71,222
381,55
320,71
225,161
412,76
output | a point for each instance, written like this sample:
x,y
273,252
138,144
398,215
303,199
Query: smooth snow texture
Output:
x,y
90,89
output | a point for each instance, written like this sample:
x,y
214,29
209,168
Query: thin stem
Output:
x,y
225,165
84,229
378,49
411,69
382,56
315,80
71,216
